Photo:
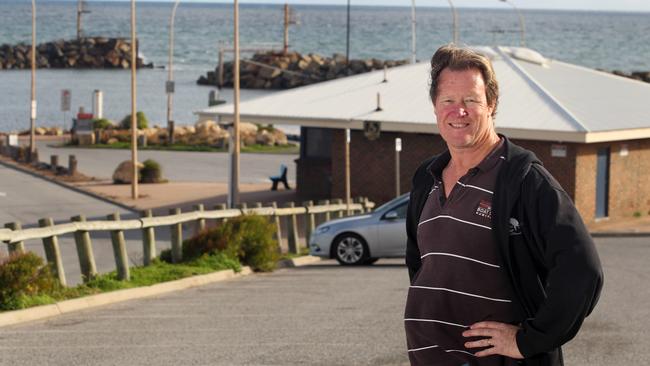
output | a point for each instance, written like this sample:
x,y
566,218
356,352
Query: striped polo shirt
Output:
x,y
461,281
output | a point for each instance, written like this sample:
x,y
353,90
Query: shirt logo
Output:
x,y
484,209
514,228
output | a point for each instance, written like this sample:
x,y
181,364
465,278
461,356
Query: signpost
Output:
x,y
66,99
398,148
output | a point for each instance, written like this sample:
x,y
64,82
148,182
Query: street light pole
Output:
x,y
169,88
347,43
134,123
413,39
234,158
455,21
522,25
32,114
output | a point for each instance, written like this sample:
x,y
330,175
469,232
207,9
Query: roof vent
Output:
x,y
528,55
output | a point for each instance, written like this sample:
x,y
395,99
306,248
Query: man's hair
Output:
x,y
458,59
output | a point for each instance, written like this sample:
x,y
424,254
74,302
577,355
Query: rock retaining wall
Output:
x,y
95,52
274,70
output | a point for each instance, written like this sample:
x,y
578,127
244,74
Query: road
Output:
x,y
316,315
177,166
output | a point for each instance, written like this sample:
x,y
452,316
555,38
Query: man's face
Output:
x,y
463,114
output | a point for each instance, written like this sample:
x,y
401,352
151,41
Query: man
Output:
x,y
502,268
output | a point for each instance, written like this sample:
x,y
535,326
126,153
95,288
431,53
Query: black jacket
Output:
x,y
545,248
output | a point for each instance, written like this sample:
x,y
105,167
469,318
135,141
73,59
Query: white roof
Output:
x,y
540,99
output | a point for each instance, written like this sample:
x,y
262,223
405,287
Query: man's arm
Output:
x,y
574,274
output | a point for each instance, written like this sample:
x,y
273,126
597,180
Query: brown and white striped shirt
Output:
x,y
461,281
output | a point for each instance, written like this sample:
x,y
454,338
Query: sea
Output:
x,y
604,40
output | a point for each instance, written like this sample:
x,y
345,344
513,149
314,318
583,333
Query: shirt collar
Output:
x,y
438,164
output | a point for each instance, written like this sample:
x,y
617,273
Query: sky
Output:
x,y
606,5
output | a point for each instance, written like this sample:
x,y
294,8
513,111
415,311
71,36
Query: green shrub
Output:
x,y
141,121
248,238
151,172
22,276
637,214
102,124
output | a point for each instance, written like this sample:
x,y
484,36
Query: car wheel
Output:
x,y
350,249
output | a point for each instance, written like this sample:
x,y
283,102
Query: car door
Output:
x,y
391,231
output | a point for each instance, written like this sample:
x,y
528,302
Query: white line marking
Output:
x,y
457,350
460,256
460,292
475,187
434,321
423,348
453,218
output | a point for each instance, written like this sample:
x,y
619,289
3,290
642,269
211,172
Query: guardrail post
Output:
x,y
52,253
17,247
292,227
338,213
326,215
200,223
72,165
84,251
54,162
221,206
278,226
148,241
119,251
310,221
177,238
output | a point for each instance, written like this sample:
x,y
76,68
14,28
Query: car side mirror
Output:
x,y
391,215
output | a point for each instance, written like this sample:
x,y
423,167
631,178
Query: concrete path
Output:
x,y
177,166
321,314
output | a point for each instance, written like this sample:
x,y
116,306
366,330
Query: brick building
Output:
x,y
590,129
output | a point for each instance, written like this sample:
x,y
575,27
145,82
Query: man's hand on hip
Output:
x,y
500,337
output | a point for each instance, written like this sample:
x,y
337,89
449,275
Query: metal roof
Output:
x,y
540,99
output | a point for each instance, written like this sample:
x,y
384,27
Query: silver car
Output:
x,y
365,238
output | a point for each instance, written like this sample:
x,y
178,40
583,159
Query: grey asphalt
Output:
x,y
26,199
320,314
177,166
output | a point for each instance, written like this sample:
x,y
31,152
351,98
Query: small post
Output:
x,y
398,149
177,238
19,246
379,109
326,215
170,132
54,162
338,213
221,206
84,251
385,74
286,29
52,253
148,240
310,221
200,223
220,82
72,165
293,231
119,251
278,226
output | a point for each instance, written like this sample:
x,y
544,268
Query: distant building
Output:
x,y
590,129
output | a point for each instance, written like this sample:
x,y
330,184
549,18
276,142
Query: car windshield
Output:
x,y
390,203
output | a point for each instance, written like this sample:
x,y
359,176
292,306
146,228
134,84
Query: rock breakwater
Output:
x,y
272,70
83,53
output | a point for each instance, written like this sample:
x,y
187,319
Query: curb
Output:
x,y
88,302
68,186
298,261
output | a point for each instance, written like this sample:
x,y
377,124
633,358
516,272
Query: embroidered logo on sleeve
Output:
x,y
484,209
514,228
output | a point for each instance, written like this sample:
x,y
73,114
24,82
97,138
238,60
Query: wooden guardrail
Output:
x,y
14,236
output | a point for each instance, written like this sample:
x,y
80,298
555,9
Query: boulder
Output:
x,y
40,131
124,172
112,141
264,137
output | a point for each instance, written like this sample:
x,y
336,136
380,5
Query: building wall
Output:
x,y
629,191
373,169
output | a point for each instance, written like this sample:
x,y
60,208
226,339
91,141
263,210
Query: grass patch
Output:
x,y
159,271
282,149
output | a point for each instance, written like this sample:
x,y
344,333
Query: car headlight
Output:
x,y
322,230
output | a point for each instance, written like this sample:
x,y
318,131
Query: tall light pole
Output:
x,y
32,111
455,21
169,87
134,120
413,39
347,43
234,157
522,26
